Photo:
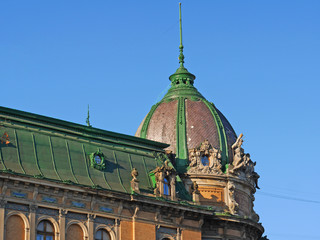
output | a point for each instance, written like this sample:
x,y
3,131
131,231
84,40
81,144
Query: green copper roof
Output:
x,y
47,148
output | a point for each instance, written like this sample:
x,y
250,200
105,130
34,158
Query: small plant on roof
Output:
x,y
5,138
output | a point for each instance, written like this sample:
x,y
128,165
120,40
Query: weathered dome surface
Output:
x,y
184,119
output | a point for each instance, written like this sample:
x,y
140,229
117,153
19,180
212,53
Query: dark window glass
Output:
x,y
45,230
205,161
102,234
166,187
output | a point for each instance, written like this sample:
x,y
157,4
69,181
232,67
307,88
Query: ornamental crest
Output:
x,y
97,160
205,160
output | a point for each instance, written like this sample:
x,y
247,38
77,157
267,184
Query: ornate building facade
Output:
x,y
184,176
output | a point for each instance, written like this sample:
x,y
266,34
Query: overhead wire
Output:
x,y
287,197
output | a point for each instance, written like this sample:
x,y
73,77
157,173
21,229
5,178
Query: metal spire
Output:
x,y
88,118
181,56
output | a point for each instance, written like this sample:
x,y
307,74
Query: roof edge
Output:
x,y
75,128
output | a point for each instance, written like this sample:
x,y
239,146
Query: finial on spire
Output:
x,y
181,56
88,118
181,77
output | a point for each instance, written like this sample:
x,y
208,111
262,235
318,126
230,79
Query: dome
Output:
x,y
184,119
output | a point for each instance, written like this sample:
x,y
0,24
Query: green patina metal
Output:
x,y
129,158
221,132
106,181
88,118
144,129
53,160
118,171
1,160
70,162
36,155
85,163
51,126
146,171
18,151
182,149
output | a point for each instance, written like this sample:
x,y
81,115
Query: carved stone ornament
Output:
x,y
135,182
195,192
242,165
165,172
233,205
205,160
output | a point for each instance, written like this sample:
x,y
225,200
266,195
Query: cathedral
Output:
x,y
183,176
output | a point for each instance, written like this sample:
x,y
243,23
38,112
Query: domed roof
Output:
x,y
184,119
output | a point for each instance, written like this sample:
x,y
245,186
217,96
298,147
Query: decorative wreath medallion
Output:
x,y
97,160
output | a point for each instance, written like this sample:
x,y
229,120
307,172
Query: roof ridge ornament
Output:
x,y
181,78
88,118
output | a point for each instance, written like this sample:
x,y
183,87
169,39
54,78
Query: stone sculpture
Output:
x,y
242,165
135,182
205,160
233,205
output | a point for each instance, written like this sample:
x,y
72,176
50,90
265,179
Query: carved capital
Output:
x,y
91,217
117,222
62,213
3,203
33,208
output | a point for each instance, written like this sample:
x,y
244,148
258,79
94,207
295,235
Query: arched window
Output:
x,y
205,160
74,232
15,228
45,230
102,234
166,187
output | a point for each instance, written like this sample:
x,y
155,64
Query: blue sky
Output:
x,y
257,61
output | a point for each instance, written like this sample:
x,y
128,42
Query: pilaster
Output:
x,y
32,219
90,227
62,223
2,218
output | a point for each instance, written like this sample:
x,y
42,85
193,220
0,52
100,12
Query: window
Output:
x,y
102,234
15,228
98,160
45,230
74,232
166,187
205,160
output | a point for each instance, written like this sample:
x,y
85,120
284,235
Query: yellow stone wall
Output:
x,y
190,235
